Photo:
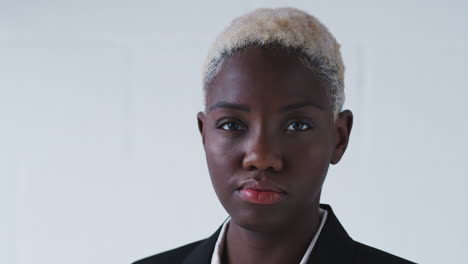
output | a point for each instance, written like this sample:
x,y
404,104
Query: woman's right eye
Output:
x,y
229,126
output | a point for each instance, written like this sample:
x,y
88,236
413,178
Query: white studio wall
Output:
x,y
100,157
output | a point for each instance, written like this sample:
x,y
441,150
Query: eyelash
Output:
x,y
298,122
223,123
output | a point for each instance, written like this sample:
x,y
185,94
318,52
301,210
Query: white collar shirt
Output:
x,y
219,246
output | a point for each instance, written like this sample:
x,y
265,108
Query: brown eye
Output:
x,y
297,126
230,126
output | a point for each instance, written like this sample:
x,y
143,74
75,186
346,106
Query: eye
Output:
x,y
297,126
229,126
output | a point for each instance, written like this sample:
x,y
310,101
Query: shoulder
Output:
x,y
367,254
193,253
176,255
334,245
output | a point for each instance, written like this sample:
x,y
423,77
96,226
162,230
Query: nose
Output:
x,y
263,153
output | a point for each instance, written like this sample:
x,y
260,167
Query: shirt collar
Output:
x,y
219,246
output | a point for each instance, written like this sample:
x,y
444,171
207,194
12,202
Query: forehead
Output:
x,y
267,77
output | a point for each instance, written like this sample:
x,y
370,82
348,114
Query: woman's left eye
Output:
x,y
297,126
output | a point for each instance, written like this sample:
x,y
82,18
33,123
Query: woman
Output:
x,y
272,124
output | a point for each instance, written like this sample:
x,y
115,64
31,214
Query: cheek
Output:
x,y
317,156
312,164
309,160
220,153
309,150
223,160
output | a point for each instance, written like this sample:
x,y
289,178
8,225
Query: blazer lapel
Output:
x,y
203,252
334,245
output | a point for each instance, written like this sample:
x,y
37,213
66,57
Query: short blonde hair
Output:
x,y
290,29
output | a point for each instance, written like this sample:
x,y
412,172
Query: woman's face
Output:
x,y
269,136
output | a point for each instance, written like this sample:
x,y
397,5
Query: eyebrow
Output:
x,y
241,107
300,105
229,105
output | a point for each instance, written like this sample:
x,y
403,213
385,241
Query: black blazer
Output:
x,y
334,245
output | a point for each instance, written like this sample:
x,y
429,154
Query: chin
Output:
x,y
261,219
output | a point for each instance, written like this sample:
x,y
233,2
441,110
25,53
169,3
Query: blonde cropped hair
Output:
x,y
290,29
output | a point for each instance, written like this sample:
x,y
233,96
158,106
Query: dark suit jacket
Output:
x,y
334,245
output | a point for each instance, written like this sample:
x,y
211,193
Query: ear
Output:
x,y
343,126
201,125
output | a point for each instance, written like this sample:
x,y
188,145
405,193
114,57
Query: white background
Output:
x,y
100,157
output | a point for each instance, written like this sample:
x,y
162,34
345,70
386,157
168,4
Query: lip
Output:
x,y
263,192
261,186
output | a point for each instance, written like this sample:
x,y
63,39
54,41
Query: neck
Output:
x,y
284,245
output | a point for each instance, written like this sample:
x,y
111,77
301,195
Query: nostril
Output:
x,y
251,168
259,157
